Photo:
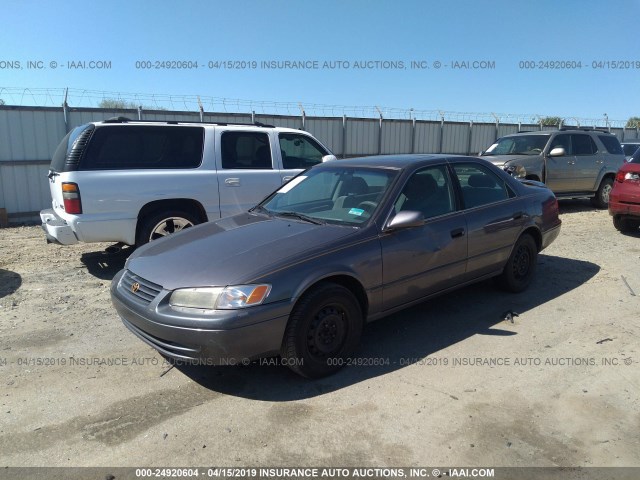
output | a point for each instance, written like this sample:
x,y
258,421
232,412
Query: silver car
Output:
x,y
342,244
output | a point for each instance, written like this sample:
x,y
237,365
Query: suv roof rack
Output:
x,y
584,129
177,122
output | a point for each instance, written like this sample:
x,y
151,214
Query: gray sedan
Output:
x,y
342,244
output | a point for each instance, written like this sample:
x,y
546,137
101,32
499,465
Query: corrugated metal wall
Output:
x,y
30,135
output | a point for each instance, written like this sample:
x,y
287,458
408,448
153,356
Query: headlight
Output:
x,y
220,298
517,171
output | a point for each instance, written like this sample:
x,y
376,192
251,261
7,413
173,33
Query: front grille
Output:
x,y
171,349
145,290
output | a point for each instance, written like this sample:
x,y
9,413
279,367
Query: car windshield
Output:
x,y
518,145
342,196
630,148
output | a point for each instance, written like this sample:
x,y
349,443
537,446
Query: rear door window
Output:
x,y
611,143
246,150
144,147
583,145
479,185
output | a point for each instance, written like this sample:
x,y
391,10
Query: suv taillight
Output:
x,y
71,198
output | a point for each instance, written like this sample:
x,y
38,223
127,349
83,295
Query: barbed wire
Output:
x,y
55,97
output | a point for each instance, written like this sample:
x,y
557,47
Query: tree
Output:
x,y
551,121
113,104
1,101
633,122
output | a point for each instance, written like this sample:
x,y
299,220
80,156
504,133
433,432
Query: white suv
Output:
x,y
134,181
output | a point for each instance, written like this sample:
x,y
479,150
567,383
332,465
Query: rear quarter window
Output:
x,y
611,143
144,147
59,158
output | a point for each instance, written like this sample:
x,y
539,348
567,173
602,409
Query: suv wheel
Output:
x,y
161,224
601,198
324,330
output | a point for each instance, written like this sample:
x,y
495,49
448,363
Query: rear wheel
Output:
x,y
601,198
165,223
625,224
324,330
521,266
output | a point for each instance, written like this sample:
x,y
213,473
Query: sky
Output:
x,y
518,41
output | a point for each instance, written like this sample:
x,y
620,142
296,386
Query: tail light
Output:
x,y
621,176
71,198
550,210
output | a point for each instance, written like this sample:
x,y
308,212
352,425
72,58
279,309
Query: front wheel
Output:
x,y
521,266
164,223
601,198
324,330
625,225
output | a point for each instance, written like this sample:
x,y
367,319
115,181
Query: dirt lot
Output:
x,y
459,387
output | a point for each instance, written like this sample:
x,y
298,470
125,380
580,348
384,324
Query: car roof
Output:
x,y
631,142
396,161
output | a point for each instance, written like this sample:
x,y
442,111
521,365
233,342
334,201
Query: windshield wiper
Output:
x,y
300,216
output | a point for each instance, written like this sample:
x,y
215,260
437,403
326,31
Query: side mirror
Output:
x,y
329,158
406,219
557,152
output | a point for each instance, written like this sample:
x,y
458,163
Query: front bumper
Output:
x,y
56,229
228,337
625,201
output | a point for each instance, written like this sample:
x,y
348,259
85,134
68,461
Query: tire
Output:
x,y
625,225
521,266
163,223
324,330
601,198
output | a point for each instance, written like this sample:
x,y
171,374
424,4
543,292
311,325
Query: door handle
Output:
x,y
571,162
287,178
457,232
232,182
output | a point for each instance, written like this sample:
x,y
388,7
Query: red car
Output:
x,y
624,202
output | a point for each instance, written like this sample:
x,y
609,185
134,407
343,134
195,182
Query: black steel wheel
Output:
x,y
324,330
521,266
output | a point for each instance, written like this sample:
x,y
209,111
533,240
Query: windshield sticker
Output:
x,y
291,184
356,211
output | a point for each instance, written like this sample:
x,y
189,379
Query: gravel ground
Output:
x,y
458,386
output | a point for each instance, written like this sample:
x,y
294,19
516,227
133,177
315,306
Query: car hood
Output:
x,y
232,251
500,160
